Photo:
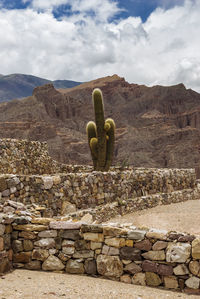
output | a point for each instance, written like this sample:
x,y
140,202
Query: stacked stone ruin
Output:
x,y
42,220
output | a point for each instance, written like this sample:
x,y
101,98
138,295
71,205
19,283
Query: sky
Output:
x,y
147,42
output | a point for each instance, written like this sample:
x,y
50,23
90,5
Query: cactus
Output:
x,y
101,136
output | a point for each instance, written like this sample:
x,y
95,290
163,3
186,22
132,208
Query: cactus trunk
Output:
x,y
101,136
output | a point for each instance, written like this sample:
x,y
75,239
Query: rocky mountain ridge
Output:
x,y
156,126
19,85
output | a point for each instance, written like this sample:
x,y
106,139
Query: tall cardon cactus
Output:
x,y
101,135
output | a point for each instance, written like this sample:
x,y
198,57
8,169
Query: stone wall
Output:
x,y
126,253
31,157
70,192
5,246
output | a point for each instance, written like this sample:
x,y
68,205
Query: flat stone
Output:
x,y
85,254
152,279
52,263
149,266
44,221
33,265
136,234
46,243
30,227
143,245
74,267
110,266
192,282
95,237
181,270
125,278
129,253
70,234
132,268
65,225
154,255
196,249
115,242
114,231
166,270
194,267
91,228
159,245
91,267
178,252
68,247
22,257
139,279
40,254
170,282
28,235
157,234
48,182
48,234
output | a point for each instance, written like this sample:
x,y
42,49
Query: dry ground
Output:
x,y
24,284
182,217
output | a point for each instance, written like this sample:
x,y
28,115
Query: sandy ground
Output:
x,y
24,284
182,217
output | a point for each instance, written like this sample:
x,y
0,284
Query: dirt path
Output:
x,y
182,217
24,284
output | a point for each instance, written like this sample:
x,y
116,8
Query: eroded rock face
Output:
x,y
164,120
109,266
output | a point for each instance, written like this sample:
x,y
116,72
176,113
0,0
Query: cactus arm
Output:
x,y
91,134
110,143
101,133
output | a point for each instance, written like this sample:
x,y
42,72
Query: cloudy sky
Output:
x,y
146,41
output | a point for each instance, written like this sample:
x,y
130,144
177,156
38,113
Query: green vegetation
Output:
x,y
101,135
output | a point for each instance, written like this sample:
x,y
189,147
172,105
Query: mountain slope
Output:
x,y
156,126
20,86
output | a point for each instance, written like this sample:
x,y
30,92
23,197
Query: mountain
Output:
x,y
156,126
20,86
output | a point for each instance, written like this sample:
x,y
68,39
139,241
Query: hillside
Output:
x,y
19,86
156,126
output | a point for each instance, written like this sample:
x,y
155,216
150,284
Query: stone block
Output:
x,y
125,278
110,266
130,253
196,249
17,246
181,270
90,267
178,252
48,234
154,255
95,237
74,267
149,266
83,254
143,245
28,245
45,243
65,225
170,282
159,245
115,242
136,234
22,257
132,268
194,267
33,265
152,279
52,263
70,234
192,282
166,270
139,279
40,254
30,227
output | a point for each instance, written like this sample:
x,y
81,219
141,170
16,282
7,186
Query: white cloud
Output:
x,y
163,50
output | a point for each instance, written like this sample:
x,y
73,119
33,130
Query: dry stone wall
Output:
x,y
64,193
125,253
